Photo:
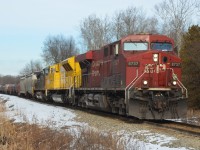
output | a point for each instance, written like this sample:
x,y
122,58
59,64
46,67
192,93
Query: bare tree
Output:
x,y
150,25
132,20
32,66
176,16
125,22
95,32
117,25
58,48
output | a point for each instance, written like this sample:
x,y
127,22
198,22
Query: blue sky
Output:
x,y
25,24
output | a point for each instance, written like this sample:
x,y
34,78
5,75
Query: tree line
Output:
x,y
8,79
190,53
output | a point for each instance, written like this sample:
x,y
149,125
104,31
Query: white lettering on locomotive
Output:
x,y
97,63
95,73
150,68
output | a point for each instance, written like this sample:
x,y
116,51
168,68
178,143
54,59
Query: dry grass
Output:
x,y
23,136
31,137
92,140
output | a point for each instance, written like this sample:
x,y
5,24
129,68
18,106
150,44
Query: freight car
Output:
x,y
1,88
8,89
139,75
12,89
27,84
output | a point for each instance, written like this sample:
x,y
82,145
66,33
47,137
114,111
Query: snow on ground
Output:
x,y
22,110
158,141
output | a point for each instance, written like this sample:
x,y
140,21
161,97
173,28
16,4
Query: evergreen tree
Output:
x,y
190,54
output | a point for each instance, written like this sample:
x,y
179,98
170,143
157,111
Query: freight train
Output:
x,y
138,75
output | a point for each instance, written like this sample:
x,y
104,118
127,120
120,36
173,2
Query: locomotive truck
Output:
x,y
138,75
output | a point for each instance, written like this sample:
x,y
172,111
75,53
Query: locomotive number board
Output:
x,y
133,64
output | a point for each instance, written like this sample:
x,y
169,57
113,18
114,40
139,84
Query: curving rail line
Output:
x,y
177,126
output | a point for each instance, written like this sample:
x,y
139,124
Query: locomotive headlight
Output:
x,y
145,82
155,57
174,83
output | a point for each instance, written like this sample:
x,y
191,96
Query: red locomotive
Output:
x,y
139,75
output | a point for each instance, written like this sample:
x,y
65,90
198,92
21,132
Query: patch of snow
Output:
x,y
22,110
152,141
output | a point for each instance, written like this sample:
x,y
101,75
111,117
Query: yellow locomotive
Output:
x,y
57,82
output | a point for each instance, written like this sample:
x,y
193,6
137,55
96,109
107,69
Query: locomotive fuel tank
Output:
x,y
95,101
58,98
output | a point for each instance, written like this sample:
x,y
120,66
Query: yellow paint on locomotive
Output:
x,y
52,77
64,75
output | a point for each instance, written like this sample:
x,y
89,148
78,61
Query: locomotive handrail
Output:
x,y
71,89
132,80
134,83
180,84
131,85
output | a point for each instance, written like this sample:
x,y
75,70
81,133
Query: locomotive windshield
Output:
x,y
161,46
131,46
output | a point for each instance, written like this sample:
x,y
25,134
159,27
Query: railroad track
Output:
x,y
177,126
